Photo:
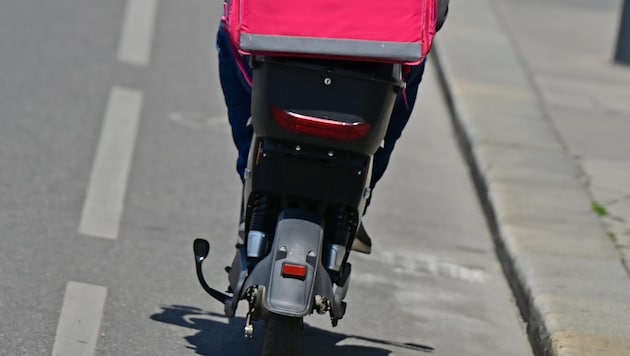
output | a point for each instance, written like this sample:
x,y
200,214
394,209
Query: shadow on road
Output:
x,y
218,335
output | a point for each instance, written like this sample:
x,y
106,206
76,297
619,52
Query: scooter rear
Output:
x,y
317,125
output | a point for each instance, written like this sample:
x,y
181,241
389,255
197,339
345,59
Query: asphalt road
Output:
x,y
115,153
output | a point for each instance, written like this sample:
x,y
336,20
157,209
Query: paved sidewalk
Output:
x,y
586,96
544,117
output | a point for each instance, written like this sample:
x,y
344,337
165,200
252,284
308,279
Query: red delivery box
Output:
x,y
399,31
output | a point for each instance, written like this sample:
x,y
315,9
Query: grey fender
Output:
x,y
298,240
237,278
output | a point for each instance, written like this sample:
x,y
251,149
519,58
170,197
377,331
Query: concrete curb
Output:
x,y
571,286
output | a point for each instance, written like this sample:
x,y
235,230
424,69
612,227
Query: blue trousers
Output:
x,y
237,93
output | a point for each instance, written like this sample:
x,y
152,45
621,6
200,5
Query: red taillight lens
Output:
x,y
293,270
347,131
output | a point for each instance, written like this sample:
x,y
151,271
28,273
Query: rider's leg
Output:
x,y
398,121
400,116
238,96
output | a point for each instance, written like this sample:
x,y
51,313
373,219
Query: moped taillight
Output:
x,y
341,127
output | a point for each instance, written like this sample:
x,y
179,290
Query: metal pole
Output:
x,y
622,54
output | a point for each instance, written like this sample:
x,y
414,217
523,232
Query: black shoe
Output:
x,y
362,242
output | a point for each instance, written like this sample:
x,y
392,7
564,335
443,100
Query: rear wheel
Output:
x,y
281,335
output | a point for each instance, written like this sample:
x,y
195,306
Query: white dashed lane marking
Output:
x,y
426,264
80,320
103,205
137,32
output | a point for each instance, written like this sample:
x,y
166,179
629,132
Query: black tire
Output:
x,y
281,335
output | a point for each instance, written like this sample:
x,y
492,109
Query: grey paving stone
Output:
x,y
535,134
512,163
592,134
573,92
576,238
515,200
612,175
560,37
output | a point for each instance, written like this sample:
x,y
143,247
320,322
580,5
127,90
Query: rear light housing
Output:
x,y
347,128
292,270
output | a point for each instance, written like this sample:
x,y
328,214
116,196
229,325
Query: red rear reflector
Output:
x,y
321,127
294,271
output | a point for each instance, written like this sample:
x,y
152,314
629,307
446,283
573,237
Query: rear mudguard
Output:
x,y
298,240
237,277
